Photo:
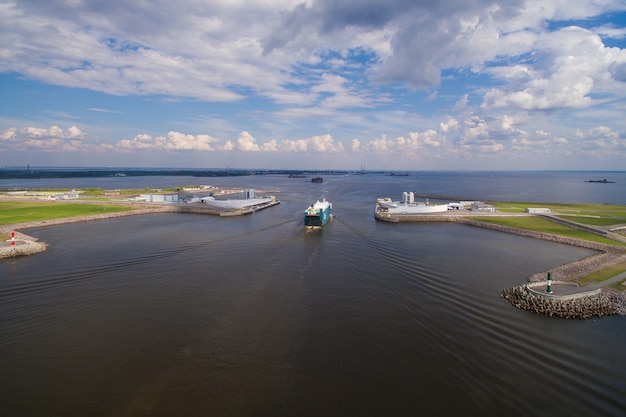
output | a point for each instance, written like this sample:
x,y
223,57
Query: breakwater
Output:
x,y
21,248
579,306
585,305
27,245
607,254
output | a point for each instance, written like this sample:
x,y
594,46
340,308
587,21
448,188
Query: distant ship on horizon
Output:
x,y
604,181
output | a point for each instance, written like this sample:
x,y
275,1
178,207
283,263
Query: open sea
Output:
x,y
196,315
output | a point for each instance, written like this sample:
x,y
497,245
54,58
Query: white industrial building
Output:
x,y
69,195
159,198
538,210
481,206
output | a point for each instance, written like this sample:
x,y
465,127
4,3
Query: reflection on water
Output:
x,y
174,314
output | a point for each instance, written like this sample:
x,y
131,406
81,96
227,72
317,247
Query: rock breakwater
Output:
x,y
607,254
28,245
21,248
605,303
599,303
602,303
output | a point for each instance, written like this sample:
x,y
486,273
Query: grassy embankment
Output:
x,y
591,214
598,215
21,212
12,212
96,193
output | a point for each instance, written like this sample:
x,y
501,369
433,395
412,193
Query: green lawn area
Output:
x,y
539,224
20,212
90,192
99,192
591,214
605,274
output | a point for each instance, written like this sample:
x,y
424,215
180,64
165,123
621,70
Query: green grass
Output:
x,y
594,219
538,224
604,274
100,192
20,212
591,214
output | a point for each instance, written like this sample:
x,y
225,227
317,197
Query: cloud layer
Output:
x,y
454,80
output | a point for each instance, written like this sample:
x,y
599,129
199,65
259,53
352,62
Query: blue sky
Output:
x,y
314,84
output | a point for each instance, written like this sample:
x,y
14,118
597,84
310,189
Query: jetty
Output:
x,y
201,208
22,244
561,297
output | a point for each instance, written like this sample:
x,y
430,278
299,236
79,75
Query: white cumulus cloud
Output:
x,y
174,141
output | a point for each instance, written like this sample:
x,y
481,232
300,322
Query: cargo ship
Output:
x,y
317,214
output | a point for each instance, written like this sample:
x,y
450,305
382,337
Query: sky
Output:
x,y
314,84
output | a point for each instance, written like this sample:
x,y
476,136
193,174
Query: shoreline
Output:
x,y
606,302
608,255
28,245
581,304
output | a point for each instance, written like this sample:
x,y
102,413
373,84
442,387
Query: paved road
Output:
x,y
612,280
570,288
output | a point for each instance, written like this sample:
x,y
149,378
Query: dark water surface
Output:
x,y
193,315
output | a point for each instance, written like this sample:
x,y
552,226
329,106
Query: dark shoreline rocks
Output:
x,y
606,303
22,248
603,303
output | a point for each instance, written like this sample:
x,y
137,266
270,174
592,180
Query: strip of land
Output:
x,y
598,230
611,246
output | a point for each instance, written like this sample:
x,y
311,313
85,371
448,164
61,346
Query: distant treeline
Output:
x,y
34,173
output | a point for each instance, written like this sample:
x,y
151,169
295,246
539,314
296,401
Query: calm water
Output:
x,y
193,315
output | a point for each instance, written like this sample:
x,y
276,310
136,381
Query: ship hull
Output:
x,y
318,214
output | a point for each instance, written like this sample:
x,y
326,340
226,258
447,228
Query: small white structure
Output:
x,y
408,205
69,195
537,210
159,198
481,206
